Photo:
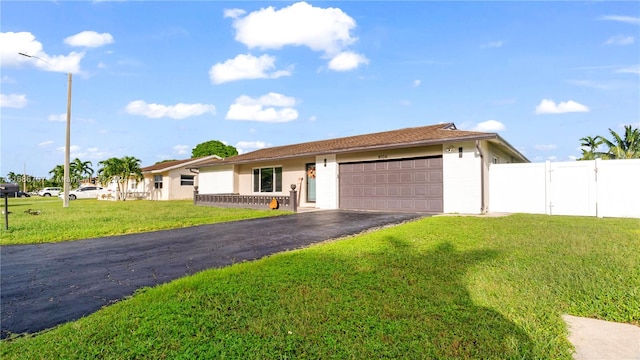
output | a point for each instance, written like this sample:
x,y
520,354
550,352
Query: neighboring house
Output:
x,y
435,168
170,180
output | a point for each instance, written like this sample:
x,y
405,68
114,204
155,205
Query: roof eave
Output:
x,y
487,136
185,164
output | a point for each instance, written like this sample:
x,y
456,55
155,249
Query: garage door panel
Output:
x,y
406,164
435,163
421,190
435,191
435,177
395,185
421,163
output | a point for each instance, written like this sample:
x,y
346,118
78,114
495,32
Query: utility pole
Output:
x,y
67,175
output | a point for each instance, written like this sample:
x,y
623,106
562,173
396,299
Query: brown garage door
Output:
x,y
394,185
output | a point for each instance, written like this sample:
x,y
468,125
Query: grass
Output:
x,y
92,218
441,287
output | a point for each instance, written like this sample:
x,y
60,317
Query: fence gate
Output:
x,y
572,189
603,188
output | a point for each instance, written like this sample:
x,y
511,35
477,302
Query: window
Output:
x,y
267,179
157,181
186,180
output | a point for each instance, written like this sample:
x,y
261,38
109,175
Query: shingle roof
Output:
x,y
417,136
168,165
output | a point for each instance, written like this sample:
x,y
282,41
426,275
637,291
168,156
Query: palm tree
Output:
x,y
80,168
131,171
121,171
623,148
57,175
592,144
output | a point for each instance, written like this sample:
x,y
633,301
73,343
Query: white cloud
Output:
x,y
12,43
246,146
620,40
490,126
233,13
326,30
272,107
624,19
246,67
13,101
492,44
178,111
552,158
45,143
590,84
89,39
313,118
346,61
548,106
629,70
92,153
7,80
546,147
60,117
417,83
73,149
181,149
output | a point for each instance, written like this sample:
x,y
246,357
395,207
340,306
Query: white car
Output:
x,y
87,192
50,191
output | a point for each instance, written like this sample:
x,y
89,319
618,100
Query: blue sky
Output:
x,y
154,79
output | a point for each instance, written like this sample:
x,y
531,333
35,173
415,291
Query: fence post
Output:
x,y
195,195
293,198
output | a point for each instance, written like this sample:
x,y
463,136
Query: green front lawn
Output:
x,y
441,287
93,218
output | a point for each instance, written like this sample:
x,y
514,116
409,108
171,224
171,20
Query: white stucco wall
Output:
x,y
177,191
326,182
461,179
216,180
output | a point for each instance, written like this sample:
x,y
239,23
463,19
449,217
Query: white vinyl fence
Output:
x,y
603,188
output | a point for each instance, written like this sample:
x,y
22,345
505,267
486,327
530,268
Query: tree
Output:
x,y
13,177
623,148
213,147
592,144
57,175
79,168
121,171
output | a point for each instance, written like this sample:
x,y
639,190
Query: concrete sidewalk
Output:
x,y
600,340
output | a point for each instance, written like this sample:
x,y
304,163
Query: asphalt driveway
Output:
x,y
44,285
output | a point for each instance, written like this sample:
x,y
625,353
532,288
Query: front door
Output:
x,y
311,182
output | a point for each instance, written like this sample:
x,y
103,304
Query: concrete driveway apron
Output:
x,y
44,285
